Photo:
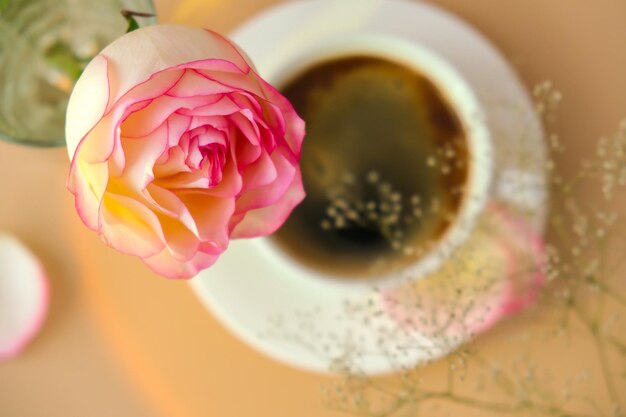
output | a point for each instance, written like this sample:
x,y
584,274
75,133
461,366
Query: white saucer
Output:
x,y
304,322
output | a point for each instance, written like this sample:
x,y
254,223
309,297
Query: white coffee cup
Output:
x,y
460,96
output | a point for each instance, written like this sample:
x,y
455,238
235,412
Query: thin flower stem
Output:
x,y
593,329
504,408
504,383
608,291
450,376
606,370
618,345
130,13
345,410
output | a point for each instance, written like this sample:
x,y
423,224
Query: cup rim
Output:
x,y
460,96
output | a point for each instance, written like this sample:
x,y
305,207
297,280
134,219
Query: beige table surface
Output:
x,y
121,341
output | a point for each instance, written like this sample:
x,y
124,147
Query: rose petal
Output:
x,y
88,183
154,86
250,130
87,104
260,174
282,111
219,67
231,183
238,81
177,125
268,194
194,179
156,48
245,100
130,227
212,215
242,150
275,118
193,84
165,265
23,296
217,122
168,203
141,156
266,220
228,187
98,145
221,106
181,243
143,122
94,148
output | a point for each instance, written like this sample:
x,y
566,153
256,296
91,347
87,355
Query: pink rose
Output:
x,y
178,146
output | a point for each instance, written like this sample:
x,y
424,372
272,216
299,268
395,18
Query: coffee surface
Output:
x,y
384,165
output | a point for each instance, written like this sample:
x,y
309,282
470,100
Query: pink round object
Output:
x,y
24,295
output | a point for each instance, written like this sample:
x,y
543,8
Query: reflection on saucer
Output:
x,y
496,273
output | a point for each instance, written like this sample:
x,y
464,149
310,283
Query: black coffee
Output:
x,y
384,165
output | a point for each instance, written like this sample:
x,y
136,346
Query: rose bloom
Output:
x,y
178,146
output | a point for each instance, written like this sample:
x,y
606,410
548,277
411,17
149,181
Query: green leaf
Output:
x,y
61,57
3,5
130,16
132,24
